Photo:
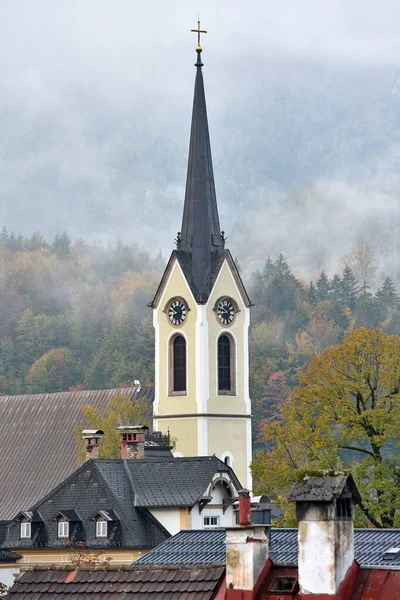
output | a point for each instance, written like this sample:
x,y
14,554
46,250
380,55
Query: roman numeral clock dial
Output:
x,y
176,312
225,311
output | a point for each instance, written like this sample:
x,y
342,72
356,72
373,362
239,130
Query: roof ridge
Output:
x,y
120,390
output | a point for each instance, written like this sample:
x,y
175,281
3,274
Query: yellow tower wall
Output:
x,y
201,432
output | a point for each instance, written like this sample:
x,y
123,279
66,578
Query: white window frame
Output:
x,y
210,521
101,528
26,530
63,529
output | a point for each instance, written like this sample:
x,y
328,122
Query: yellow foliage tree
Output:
x,y
120,411
346,411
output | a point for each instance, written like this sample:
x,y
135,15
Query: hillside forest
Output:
x,y
74,316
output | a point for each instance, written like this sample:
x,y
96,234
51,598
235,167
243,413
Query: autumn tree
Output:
x,y
55,371
361,260
120,411
345,411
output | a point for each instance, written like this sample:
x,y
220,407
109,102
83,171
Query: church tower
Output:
x,y
201,315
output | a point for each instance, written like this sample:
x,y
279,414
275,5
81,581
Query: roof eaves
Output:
x,y
160,289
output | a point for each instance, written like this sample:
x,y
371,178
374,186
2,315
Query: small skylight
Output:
x,y
284,584
392,553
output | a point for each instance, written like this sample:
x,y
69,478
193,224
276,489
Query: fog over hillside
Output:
x,y
304,114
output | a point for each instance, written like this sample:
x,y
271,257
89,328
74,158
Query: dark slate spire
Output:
x,y
200,237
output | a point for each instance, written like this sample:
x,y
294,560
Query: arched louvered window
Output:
x,y
226,355
178,364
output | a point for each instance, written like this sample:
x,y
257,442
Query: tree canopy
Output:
x,y
345,411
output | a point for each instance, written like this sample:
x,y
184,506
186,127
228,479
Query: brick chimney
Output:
x,y
132,438
246,550
324,510
92,439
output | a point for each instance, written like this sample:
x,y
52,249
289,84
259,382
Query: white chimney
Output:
x,y
324,510
246,549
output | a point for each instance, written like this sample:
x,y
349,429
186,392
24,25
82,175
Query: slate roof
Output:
x,y
126,488
7,556
176,481
3,530
78,498
207,546
123,583
38,445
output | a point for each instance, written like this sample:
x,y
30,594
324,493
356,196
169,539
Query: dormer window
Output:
x,y
101,528
63,528
106,522
25,530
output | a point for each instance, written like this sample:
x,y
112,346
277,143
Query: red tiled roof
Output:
x,y
123,583
360,584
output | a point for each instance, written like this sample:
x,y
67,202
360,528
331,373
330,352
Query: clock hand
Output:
x,y
173,311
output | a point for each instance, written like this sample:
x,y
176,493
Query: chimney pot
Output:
x,y
244,508
132,440
92,439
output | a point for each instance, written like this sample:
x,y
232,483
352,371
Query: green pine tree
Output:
x,y
349,290
387,299
323,287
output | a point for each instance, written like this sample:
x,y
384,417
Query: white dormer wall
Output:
x,y
214,509
175,519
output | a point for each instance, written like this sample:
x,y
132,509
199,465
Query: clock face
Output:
x,y
177,312
225,311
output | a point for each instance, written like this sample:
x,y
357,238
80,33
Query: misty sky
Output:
x,y
95,102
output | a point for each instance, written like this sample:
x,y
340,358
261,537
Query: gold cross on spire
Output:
x,y
198,31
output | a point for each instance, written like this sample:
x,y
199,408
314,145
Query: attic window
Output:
x,y
210,522
26,530
101,528
284,584
63,528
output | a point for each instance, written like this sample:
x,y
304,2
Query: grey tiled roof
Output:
x,y
7,556
38,445
196,547
3,530
176,481
126,488
208,547
78,498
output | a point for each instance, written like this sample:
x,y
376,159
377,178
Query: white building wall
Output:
x,y
7,575
170,518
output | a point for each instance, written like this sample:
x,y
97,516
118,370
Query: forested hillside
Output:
x,y
75,315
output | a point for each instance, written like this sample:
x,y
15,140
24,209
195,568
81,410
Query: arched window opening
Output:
x,y
226,362
179,364
227,461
